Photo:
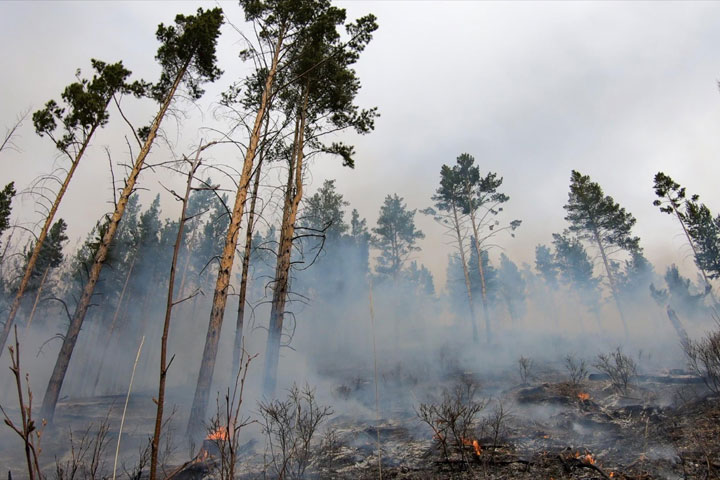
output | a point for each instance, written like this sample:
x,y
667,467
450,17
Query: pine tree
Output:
x,y
86,103
511,287
546,266
598,219
704,229
395,236
6,196
186,56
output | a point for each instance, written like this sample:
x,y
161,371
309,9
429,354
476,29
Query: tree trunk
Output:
x,y
160,401
41,239
37,297
58,375
237,347
466,273
483,286
207,366
611,281
282,271
677,325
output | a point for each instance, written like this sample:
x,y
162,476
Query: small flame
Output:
x,y
221,434
612,474
474,443
583,396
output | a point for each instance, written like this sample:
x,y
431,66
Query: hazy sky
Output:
x,y
616,90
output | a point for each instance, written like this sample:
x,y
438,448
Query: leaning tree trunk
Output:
x,y
483,286
237,346
466,273
160,401
611,280
61,365
207,365
37,297
41,239
293,195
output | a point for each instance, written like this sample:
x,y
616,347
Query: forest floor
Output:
x,y
664,427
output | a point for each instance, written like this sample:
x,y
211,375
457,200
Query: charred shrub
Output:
x,y
619,367
525,367
576,369
289,426
704,359
453,418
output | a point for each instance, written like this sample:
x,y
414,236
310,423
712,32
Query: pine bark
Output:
x,y
293,195
37,297
611,280
207,366
466,273
483,286
63,361
237,346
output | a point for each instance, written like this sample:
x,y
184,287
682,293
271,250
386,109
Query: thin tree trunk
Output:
x,y
237,347
207,365
466,273
114,322
41,239
675,321
483,286
282,272
166,325
611,281
56,379
37,297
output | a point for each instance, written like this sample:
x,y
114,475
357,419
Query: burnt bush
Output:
x,y
576,369
704,359
619,367
453,417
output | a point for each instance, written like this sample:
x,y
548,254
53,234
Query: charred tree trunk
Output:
x,y
30,267
207,365
37,297
466,273
293,195
58,375
237,346
166,325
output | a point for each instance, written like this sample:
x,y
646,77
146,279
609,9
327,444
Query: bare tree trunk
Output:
x,y
282,271
466,273
483,286
108,337
675,321
611,281
56,379
237,347
207,365
166,325
37,297
41,239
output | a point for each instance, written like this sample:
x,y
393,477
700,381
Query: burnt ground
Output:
x,y
664,427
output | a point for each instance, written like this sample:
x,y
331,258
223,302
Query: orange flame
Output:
x,y
583,396
611,475
474,443
221,434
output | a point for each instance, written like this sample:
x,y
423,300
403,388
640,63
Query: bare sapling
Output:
x,y
453,419
576,369
290,426
619,367
164,365
525,368
704,358
225,427
27,430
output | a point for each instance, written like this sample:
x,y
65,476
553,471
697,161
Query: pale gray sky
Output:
x,y
532,90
